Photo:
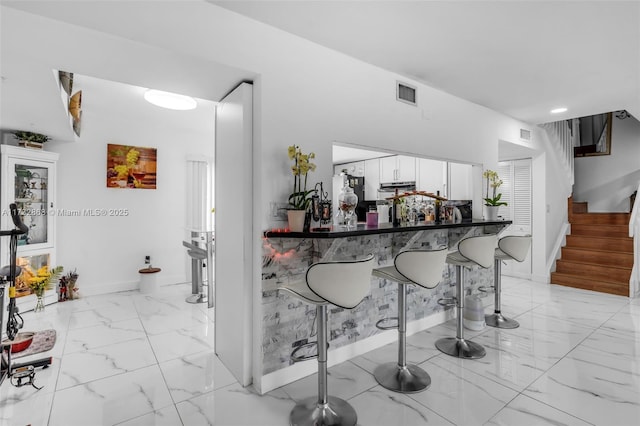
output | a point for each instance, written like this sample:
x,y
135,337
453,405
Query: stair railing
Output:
x,y
634,232
565,134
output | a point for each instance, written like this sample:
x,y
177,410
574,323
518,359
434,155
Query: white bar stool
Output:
x,y
344,284
423,268
471,251
512,247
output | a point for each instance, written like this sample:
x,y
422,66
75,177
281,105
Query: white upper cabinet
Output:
x,y
371,178
397,168
460,181
431,175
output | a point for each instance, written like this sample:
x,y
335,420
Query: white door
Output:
x,y
234,232
517,192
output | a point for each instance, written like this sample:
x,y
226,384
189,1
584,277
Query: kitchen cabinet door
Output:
x,y
397,168
388,169
460,181
431,175
406,168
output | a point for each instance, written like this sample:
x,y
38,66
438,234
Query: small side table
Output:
x,y
148,280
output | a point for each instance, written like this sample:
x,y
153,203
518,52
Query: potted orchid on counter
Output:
x,y
300,198
492,201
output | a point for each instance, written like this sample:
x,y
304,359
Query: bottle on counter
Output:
x,y
438,209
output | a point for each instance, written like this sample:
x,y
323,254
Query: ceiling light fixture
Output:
x,y
170,100
558,110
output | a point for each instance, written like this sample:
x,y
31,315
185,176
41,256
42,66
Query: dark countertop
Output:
x,y
385,228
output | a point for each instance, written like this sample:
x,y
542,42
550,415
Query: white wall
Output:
x,y
108,251
606,182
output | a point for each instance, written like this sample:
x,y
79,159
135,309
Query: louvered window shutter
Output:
x,y
522,195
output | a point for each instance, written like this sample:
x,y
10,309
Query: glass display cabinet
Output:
x,y
28,178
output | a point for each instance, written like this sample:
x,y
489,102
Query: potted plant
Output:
x,y
41,282
300,198
30,139
493,203
69,283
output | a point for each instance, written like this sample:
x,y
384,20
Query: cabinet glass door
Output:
x,y
32,198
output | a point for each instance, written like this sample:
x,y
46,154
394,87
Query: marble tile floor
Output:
x,y
133,359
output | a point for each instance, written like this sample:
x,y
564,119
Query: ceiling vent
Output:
x,y
406,93
525,135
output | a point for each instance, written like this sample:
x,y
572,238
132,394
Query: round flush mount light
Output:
x,y
169,100
558,110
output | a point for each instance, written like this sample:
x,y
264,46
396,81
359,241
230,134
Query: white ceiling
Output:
x,y
521,58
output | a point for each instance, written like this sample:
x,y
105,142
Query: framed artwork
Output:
x,y
131,167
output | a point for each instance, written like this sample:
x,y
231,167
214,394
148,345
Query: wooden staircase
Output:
x,y
599,252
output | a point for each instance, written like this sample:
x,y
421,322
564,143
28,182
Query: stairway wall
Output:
x,y
607,181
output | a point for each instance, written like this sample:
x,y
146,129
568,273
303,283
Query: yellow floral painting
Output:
x,y
131,167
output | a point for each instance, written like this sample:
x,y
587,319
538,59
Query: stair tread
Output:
x,y
596,250
602,237
599,280
599,265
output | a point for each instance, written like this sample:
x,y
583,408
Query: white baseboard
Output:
x,y
545,279
107,288
302,369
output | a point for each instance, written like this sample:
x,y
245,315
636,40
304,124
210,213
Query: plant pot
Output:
x,y
296,220
490,212
29,144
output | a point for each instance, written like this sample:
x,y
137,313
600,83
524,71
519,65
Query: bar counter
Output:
x,y
288,322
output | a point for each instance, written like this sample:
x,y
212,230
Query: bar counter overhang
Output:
x,y
288,322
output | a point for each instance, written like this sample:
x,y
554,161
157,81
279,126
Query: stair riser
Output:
x,y
600,218
601,258
612,231
580,207
590,285
617,245
594,271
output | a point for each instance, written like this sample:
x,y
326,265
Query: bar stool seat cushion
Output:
x,y
390,273
302,291
502,255
514,247
455,258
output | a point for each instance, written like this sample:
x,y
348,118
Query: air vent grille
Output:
x,y
406,93
525,134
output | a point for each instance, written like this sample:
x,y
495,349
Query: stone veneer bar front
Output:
x,y
288,321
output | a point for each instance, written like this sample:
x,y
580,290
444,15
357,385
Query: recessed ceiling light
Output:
x,y
169,100
558,110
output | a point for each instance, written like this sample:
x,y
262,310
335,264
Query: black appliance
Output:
x,y
357,183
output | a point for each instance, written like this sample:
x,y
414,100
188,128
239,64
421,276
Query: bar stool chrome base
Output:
x,y
197,298
460,348
496,319
406,379
310,412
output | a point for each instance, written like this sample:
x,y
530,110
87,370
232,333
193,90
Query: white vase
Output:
x,y
296,220
490,213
